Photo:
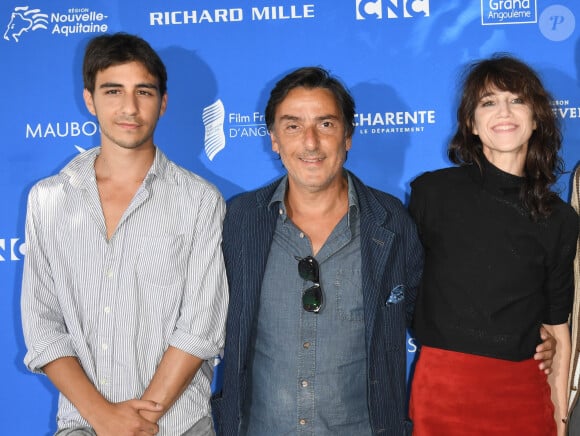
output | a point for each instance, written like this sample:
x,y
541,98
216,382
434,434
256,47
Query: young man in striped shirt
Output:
x,y
124,294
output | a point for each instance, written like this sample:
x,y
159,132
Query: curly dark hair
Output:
x,y
543,164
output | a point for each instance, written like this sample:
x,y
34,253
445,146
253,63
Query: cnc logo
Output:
x,y
24,20
11,250
495,12
379,9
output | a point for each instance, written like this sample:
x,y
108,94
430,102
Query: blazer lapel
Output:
x,y
258,234
376,243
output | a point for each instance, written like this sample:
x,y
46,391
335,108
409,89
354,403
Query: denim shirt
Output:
x,y
308,371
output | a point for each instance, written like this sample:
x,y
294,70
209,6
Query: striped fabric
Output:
x,y
574,378
118,304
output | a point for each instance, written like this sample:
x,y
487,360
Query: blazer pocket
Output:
x,y
394,325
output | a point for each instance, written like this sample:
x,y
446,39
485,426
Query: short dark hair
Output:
x,y
543,164
310,78
108,50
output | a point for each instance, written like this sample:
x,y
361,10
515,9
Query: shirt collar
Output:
x,y
277,199
81,169
496,181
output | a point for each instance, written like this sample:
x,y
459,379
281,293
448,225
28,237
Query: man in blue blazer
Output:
x,y
323,273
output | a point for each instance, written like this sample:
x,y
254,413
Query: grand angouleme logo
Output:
x,y
495,12
71,21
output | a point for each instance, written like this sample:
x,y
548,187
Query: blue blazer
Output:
x,y
392,257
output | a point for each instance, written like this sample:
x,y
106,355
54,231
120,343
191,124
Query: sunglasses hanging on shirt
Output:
x,y
312,298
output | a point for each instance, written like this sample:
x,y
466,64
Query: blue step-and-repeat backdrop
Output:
x,y
400,58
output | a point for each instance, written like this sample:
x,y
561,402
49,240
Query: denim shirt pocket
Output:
x,y
349,298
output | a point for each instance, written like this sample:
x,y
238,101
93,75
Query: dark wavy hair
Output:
x,y
543,164
108,50
310,78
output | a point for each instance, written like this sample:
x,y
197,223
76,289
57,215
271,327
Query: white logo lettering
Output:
x,y
213,120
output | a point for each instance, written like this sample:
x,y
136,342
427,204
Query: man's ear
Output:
x,y
275,147
163,105
89,103
348,143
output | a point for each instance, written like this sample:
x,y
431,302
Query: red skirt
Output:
x,y
463,394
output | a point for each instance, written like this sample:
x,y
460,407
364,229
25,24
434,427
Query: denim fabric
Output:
x,y
203,427
308,371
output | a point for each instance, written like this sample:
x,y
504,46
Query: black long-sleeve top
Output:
x,y
492,276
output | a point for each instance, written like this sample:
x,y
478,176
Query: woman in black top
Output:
x,y
499,247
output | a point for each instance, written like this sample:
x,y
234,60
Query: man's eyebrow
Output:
x,y
289,118
146,85
328,117
319,118
110,85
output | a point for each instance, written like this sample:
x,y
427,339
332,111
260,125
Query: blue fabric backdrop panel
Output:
x,y
400,58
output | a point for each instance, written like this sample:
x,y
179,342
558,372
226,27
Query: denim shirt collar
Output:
x,y
279,195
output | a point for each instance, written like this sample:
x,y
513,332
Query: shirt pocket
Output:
x,y
349,298
161,261
160,271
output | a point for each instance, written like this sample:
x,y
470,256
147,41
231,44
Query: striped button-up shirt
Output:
x,y
117,304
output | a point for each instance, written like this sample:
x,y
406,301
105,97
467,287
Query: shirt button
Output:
x,y
280,211
301,235
103,381
304,383
302,421
109,273
306,345
105,347
107,309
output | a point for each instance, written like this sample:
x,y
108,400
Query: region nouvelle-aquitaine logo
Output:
x,y
24,20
